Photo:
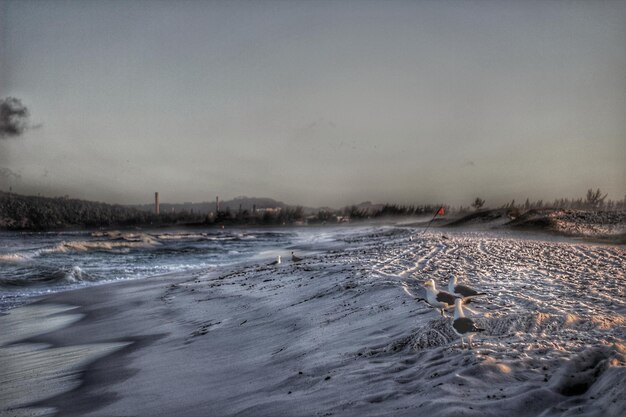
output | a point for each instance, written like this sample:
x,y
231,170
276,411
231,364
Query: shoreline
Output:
x,y
486,220
332,334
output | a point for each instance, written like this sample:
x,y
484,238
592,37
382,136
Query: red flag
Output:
x,y
441,211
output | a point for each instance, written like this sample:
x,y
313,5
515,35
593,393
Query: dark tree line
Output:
x,y
288,215
593,200
394,210
19,212
40,213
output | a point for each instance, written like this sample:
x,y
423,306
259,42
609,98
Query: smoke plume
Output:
x,y
13,118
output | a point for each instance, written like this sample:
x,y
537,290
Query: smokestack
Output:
x,y
217,204
156,203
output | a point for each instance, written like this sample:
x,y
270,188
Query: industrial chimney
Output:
x,y
217,204
156,203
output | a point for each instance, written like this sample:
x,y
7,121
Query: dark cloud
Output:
x,y
13,117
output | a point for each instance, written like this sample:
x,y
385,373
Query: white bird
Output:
x,y
294,258
276,262
461,290
438,299
463,326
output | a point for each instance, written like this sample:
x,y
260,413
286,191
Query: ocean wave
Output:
x,y
125,236
47,277
202,236
83,245
190,249
14,257
182,236
187,235
77,274
75,246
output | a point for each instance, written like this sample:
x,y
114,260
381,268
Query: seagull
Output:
x,y
276,262
438,299
295,258
461,290
463,326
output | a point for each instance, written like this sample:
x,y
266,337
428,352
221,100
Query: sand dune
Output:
x,y
592,225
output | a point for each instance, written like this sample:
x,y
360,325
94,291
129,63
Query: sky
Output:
x,y
320,103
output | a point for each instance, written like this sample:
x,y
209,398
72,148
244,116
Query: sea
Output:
x,y
35,264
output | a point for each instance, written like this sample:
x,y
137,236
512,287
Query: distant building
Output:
x,y
157,208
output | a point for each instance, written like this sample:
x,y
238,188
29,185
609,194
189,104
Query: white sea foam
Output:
x,y
14,257
181,236
76,274
98,245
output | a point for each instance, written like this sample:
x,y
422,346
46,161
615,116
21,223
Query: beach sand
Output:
x,y
334,334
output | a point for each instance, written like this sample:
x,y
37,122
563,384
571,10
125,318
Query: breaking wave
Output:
x,y
76,246
13,257
40,263
100,245
46,277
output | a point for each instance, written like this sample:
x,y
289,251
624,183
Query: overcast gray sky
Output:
x,y
316,103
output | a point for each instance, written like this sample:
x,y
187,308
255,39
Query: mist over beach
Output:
x,y
330,208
